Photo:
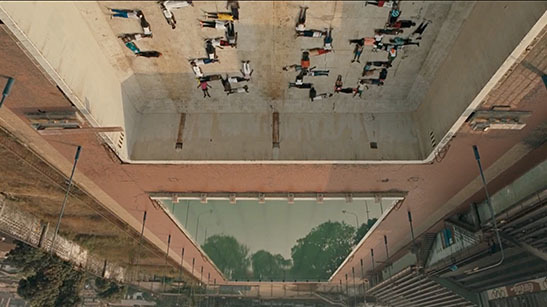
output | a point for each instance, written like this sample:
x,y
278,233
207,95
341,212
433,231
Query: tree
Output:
x,y
267,266
320,252
109,290
363,229
231,257
48,281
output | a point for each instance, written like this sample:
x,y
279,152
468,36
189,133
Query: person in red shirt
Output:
x,y
205,88
305,61
318,51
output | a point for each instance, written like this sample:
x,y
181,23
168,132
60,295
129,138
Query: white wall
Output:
x,y
490,34
63,43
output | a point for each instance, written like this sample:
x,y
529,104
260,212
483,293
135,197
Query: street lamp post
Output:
x,y
197,223
7,90
354,214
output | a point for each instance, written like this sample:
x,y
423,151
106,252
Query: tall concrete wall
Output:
x,y
490,34
67,49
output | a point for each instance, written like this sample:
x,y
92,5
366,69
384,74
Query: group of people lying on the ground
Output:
x,y
374,72
304,69
221,21
130,38
227,81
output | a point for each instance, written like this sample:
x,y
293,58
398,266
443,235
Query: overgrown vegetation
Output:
x,y
48,280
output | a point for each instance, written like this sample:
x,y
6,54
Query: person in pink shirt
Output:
x,y
205,88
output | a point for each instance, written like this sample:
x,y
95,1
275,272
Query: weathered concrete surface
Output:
x,y
153,91
435,190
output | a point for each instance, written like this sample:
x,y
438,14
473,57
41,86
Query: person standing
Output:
x,y
357,53
205,88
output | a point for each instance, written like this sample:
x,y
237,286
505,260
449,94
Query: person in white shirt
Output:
x,y
246,69
197,70
123,13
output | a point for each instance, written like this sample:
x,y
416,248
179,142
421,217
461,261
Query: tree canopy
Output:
x,y
320,252
267,266
363,229
48,281
230,256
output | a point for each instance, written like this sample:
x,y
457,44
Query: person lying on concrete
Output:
x,y
169,16
366,41
303,85
219,42
231,34
246,70
380,3
327,41
347,90
226,84
399,41
197,70
205,88
210,50
368,70
318,51
311,33
132,47
149,54
130,37
176,4
233,6
210,78
383,74
361,87
385,64
357,53
293,67
372,81
305,60
394,14
203,61
388,31
403,24
123,13
392,54
145,25
300,77
237,79
215,24
338,84
244,89
315,73
420,29
314,96
136,51
301,21
219,15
